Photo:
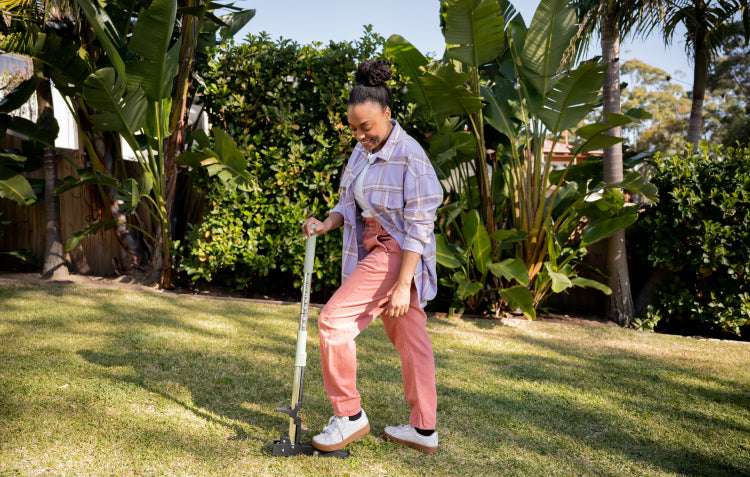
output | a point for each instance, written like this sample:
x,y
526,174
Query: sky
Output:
x,y
306,21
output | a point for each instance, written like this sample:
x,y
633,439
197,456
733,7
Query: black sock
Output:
x,y
356,416
424,432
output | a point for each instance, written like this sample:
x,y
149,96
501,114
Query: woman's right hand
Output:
x,y
313,226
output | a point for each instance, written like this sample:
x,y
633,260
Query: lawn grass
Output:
x,y
98,381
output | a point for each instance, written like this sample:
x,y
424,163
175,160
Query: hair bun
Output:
x,y
373,72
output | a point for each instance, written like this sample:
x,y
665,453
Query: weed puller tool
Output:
x,y
290,445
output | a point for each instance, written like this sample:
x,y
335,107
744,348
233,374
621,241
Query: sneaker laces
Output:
x,y
334,424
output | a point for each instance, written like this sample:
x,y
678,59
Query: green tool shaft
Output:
x,y
300,359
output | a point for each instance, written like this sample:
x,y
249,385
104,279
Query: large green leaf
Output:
x,y
25,255
595,138
158,63
447,91
18,96
409,61
520,297
91,229
572,97
122,107
228,151
471,223
85,177
560,281
466,288
226,162
482,249
448,150
548,38
599,230
445,254
107,34
234,22
636,183
511,269
590,170
586,283
15,187
44,131
502,108
474,31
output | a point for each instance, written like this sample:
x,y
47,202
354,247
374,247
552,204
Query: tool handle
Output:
x,y
310,251
300,358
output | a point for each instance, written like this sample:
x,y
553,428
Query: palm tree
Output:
x,y
615,19
708,23
47,15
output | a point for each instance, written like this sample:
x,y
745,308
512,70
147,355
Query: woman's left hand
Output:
x,y
398,305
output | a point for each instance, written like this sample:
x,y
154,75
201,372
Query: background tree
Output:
x,y
655,91
730,84
614,20
43,17
708,24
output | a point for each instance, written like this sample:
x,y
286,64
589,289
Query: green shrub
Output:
x,y
700,238
285,105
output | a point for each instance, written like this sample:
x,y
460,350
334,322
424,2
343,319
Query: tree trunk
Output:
x,y
620,303
700,76
54,252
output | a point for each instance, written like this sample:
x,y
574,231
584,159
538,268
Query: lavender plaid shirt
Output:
x,y
404,194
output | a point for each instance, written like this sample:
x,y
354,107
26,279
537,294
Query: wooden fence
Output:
x,y
95,255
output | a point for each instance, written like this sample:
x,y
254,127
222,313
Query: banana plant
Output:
x,y
133,98
139,92
502,89
142,97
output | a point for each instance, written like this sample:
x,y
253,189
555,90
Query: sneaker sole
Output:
x,y
342,444
413,445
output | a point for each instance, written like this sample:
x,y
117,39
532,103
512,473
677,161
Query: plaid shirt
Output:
x,y
404,194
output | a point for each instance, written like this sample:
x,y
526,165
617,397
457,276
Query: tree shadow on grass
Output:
x,y
603,399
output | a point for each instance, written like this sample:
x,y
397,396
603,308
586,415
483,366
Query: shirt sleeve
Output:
x,y
423,194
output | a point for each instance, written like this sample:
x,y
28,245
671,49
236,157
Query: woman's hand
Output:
x,y
398,305
315,226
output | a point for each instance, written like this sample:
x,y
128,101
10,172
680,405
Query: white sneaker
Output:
x,y
408,436
340,431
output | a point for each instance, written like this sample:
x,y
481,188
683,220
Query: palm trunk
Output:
x,y
54,251
700,75
620,304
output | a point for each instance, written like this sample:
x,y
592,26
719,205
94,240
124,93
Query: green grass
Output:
x,y
97,381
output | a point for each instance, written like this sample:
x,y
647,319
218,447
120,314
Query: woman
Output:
x,y
388,197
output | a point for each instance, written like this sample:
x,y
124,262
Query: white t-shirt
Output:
x,y
359,195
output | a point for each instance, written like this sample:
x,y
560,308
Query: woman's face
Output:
x,y
370,124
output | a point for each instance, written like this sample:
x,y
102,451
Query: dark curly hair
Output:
x,y
371,83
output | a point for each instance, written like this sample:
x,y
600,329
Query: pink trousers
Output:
x,y
360,299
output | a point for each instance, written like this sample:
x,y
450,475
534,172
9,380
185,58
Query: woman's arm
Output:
x,y
398,305
333,221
